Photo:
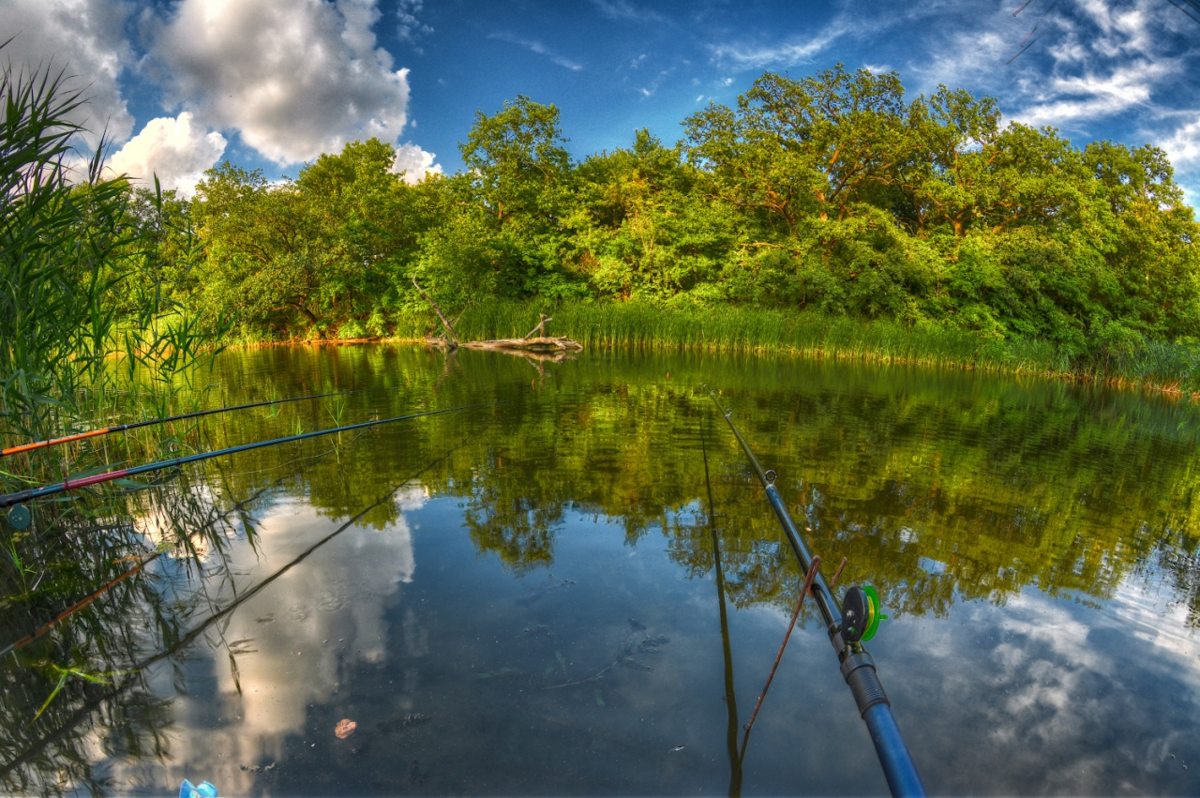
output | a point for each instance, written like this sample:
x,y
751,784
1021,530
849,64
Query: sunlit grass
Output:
x,y
1174,368
749,330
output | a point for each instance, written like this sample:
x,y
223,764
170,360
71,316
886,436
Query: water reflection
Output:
x,y
287,646
536,612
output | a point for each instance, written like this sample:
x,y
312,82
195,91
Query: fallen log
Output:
x,y
537,342
540,344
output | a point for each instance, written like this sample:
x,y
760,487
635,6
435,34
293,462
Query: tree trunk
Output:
x,y
442,316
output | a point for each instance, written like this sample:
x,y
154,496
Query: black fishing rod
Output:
x,y
20,497
847,627
79,436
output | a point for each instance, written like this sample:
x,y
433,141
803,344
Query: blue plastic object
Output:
x,y
205,790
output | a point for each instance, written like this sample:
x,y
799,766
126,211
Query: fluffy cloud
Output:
x,y
1092,96
410,26
414,163
1184,145
296,78
86,40
172,149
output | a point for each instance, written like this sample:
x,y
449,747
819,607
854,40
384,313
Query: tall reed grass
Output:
x,y
1162,366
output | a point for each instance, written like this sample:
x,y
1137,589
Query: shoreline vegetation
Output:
x,y
833,215
1170,369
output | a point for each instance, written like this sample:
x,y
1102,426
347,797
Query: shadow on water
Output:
x,y
532,614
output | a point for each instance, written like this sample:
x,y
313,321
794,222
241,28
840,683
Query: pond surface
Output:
x,y
536,597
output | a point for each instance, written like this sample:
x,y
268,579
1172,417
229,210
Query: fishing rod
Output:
x,y
134,673
142,561
79,436
20,497
855,621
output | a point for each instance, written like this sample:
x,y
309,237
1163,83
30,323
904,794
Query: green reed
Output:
x,y
813,335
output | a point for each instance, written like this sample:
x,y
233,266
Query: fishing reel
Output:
x,y
19,517
861,614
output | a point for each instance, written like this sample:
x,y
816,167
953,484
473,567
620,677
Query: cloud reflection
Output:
x,y
291,645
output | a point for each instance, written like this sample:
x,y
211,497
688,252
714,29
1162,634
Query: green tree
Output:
x,y
368,221
642,228
260,266
519,179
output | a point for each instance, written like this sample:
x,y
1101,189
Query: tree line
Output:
x,y
830,193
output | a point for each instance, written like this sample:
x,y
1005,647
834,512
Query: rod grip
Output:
x,y
858,669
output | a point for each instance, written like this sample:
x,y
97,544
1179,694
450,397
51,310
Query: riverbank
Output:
x,y
1168,368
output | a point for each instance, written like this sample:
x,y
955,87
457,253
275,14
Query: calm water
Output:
x,y
524,598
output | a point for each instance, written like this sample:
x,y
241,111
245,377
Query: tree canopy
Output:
x,y
835,192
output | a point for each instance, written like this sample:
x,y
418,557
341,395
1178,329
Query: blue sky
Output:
x,y
271,84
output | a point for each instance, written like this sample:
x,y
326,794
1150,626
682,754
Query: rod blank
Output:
x,y
857,667
79,436
20,497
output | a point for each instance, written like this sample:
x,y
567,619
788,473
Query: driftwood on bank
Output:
x,y
536,343
541,344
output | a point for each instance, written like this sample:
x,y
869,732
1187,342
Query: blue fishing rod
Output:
x,y
19,517
855,621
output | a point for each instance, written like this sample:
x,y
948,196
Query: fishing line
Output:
x,y
79,436
21,497
85,711
847,627
144,560
736,757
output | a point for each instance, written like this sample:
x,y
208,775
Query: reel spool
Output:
x,y
19,517
861,614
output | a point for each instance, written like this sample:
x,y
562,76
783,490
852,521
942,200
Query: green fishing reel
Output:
x,y
19,517
861,614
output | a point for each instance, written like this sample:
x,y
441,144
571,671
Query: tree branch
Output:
x,y
438,310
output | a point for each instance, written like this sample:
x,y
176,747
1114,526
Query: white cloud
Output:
x,y
86,40
299,639
410,26
173,150
798,50
1092,96
295,78
537,47
1183,146
414,163
625,10
749,56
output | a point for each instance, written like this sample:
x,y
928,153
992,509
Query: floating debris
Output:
x,y
650,645
345,728
677,748
416,718
500,674
258,768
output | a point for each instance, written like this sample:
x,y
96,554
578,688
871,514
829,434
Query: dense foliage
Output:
x,y
831,193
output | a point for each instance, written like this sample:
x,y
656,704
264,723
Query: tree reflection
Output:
x,y
937,487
